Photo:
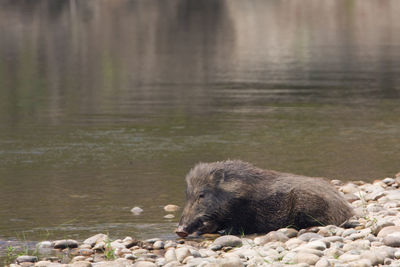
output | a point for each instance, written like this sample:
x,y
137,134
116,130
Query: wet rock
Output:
x,y
171,208
136,210
26,258
169,216
68,243
228,241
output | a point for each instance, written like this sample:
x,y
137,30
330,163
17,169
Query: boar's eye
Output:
x,y
201,195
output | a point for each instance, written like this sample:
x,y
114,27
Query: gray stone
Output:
x,y
360,263
171,208
169,216
230,262
348,232
318,245
347,257
388,230
293,243
68,243
136,210
270,237
289,232
374,255
323,262
176,264
42,263
158,245
182,253
81,264
96,238
392,240
319,253
144,264
228,241
308,236
26,258
45,245
308,258
358,244
170,255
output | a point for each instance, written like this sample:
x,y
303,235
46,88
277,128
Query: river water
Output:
x,y
105,105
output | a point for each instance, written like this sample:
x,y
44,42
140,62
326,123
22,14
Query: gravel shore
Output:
x,y
372,238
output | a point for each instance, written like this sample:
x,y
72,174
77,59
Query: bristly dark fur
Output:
x,y
236,196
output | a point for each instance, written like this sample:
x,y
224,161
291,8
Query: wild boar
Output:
x,y
238,197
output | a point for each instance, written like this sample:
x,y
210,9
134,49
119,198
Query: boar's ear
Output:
x,y
218,176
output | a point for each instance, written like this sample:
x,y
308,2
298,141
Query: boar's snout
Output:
x,y
181,231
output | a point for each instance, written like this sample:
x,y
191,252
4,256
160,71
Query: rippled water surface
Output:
x,y
105,105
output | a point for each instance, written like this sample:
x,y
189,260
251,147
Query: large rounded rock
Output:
x,y
228,241
67,243
182,253
144,264
308,236
388,230
26,258
308,258
392,240
271,236
95,239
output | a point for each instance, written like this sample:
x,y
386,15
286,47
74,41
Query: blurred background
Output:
x,y
106,105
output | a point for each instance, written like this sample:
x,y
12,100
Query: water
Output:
x,y
105,105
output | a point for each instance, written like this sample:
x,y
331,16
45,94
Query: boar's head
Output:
x,y
216,197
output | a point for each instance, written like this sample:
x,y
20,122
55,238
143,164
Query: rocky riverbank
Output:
x,y
372,238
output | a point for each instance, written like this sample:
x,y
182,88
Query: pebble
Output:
x,y
169,216
171,208
136,210
26,258
308,236
95,239
158,244
271,236
68,243
228,241
308,258
182,253
144,264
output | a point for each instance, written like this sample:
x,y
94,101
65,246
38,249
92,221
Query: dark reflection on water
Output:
x,y
105,105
